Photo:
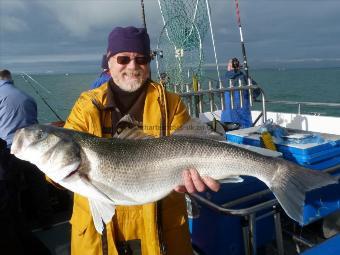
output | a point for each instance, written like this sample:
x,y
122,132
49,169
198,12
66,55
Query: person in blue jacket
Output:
x,y
238,115
104,76
18,110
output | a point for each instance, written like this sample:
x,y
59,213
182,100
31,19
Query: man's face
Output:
x,y
128,70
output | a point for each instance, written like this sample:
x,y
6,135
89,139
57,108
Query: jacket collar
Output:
x,y
3,82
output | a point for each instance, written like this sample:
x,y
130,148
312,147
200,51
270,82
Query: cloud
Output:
x,y
10,18
12,6
60,31
81,18
51,58
13,24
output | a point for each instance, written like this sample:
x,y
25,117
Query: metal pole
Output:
x,y
222,97
245,234
231,93
278,233
213,41
189,100
200,100
240,93
252,233
211,97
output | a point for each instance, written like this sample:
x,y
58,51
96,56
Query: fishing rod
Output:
x,y
36,82
245,62
143,13
25,77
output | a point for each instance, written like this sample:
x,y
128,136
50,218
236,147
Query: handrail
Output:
x,y
220,92
236,212
303,103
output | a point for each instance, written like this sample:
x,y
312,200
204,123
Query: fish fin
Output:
x,y
130,129
133,133
194,127
231,179
290,185
81,185
102,213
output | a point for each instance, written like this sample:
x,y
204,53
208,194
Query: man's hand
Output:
x,y
193,182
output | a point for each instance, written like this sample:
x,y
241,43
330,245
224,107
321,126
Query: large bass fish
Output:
x,y
118,171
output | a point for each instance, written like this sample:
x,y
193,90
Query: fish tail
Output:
x,y
290,185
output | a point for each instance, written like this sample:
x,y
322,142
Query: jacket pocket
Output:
x,y
80,220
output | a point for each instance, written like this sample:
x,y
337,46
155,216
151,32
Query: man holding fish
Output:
x,y
117,181
154,228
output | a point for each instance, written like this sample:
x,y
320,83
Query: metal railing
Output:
x,y
214,98
249,214
299,104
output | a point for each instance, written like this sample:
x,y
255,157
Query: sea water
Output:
x,y
60,91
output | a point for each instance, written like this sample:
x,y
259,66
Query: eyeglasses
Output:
x,y
124,60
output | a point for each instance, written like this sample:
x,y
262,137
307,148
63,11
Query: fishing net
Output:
x,y
180,54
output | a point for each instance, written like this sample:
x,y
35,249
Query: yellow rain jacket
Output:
x,y
163,112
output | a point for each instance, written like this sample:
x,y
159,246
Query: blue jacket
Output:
x,y
104,77
238,115
17,110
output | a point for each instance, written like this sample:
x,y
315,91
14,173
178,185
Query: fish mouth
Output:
x,y
65,173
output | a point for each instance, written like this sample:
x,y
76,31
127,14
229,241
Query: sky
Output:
x,y
53,36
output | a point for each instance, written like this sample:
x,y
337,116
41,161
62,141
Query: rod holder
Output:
x,y
200,99
211,97
189,99
222,97
241,93
231,94
250,91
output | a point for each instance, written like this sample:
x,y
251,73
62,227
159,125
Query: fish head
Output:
x,y
51,149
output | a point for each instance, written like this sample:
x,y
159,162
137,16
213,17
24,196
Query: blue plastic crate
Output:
x,y
328,247
216,233
309,153
322,164
311,159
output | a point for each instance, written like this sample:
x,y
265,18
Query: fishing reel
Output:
x,y
235,63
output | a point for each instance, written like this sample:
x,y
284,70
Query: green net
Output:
x,y
180,42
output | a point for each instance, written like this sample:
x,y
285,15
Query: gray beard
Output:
x,y
129,86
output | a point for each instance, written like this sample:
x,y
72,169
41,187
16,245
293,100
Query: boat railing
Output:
x,y
199,100
300,104
210,97
249,214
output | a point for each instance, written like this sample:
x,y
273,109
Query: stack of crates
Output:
x,y
317,156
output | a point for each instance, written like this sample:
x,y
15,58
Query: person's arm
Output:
x,y
84,116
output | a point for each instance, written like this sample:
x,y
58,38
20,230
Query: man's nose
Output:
x,y
132,63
